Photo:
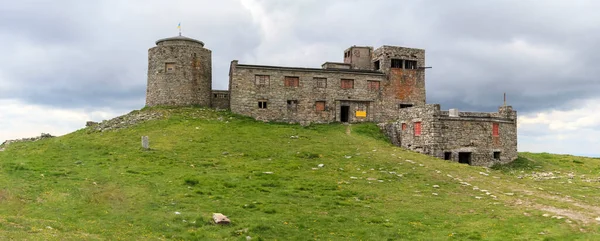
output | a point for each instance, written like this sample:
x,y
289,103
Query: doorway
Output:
x,y
464,157
345,113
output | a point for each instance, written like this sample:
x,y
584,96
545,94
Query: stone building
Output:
x,y
384,85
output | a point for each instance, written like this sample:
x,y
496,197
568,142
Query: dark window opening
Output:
x,y
447,155
403,126
402,106
497,155
376,65
262,104
292,105
345,113
410,64
220,96
396,63
320,106
464,157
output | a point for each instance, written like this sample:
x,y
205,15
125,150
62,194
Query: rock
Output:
x,y
353,177
225,153
268,173
219,218
90,123
177,213
436,186
371,179
145,142
321,165
483,173
434,194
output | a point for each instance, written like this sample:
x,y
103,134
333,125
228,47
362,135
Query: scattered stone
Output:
x,y
31,139
314,168
436,186
219,218
124,121
347,157
248,238
410,161
268,173
371,179
546,215
321,165
475,188
598,219
177,213
434,194
483,173
225,153
48,227
353,177
509,194
293,137
568,221
478,197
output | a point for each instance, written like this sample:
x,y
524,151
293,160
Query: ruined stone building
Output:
x,y
383,85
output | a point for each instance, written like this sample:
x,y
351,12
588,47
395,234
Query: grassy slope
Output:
x,y
103,186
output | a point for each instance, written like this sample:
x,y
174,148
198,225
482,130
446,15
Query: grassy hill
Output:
x,y
91,185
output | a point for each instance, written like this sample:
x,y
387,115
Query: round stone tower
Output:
x,y
179,73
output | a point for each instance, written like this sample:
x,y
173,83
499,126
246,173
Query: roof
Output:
x,y
353,71
180,38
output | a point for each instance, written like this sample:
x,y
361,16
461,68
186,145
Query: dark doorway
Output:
x,y
344,114
464,157
447,155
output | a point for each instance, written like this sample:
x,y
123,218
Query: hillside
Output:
x,y
95,185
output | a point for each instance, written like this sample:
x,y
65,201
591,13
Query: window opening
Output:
x,y
373,85
262,104
170,67
402,106
320,105
497,155
377,65
320,82
495,129
410,64
292,105
447,155
347,84
396,63
464,157
262,80
417,128
291,81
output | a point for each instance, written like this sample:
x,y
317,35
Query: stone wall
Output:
x,y
220,99
471,132
405,85
299,104
179,73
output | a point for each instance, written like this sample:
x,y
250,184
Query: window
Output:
x,y
402,106
347,84
292,105
320,82
497,155
410,64
220,96
262,104
495,129
320,105
417,128
447,155
377,65
397,63
170,67
403,126
291,81
373,85
262,80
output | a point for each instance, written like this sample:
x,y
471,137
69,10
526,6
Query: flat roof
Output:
x,y
350,71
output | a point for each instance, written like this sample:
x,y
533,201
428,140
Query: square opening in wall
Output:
x,y
464,157
262,104
376,65
292,105
447,155
497,155
169,67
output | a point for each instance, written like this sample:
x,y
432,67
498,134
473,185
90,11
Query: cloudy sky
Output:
x,y
64,62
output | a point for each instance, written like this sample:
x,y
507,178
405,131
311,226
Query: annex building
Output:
x,y
384,85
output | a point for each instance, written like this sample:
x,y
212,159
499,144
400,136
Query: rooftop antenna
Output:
x,y
179,27
504,99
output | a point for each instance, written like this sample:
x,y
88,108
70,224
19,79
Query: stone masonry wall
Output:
x,y
245,94
220,99
469,132
190,83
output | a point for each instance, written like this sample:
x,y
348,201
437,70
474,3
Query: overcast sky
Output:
x,y
64,62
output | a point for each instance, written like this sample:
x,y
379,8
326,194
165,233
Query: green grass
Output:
x,y
101,185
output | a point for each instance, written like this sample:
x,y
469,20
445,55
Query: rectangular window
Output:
x,y
396,63
291,81
377,65
447,155
417,128
373,85
497,155
495,129
347,84
170,67
292,105
402,106
320,83
410,64
320,106
262,80
220,96
403,126
262,104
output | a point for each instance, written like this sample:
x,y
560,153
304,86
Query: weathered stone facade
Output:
x,y
179,73
366,87
385,85
474,138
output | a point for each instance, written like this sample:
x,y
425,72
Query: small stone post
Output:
x,y
145,142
